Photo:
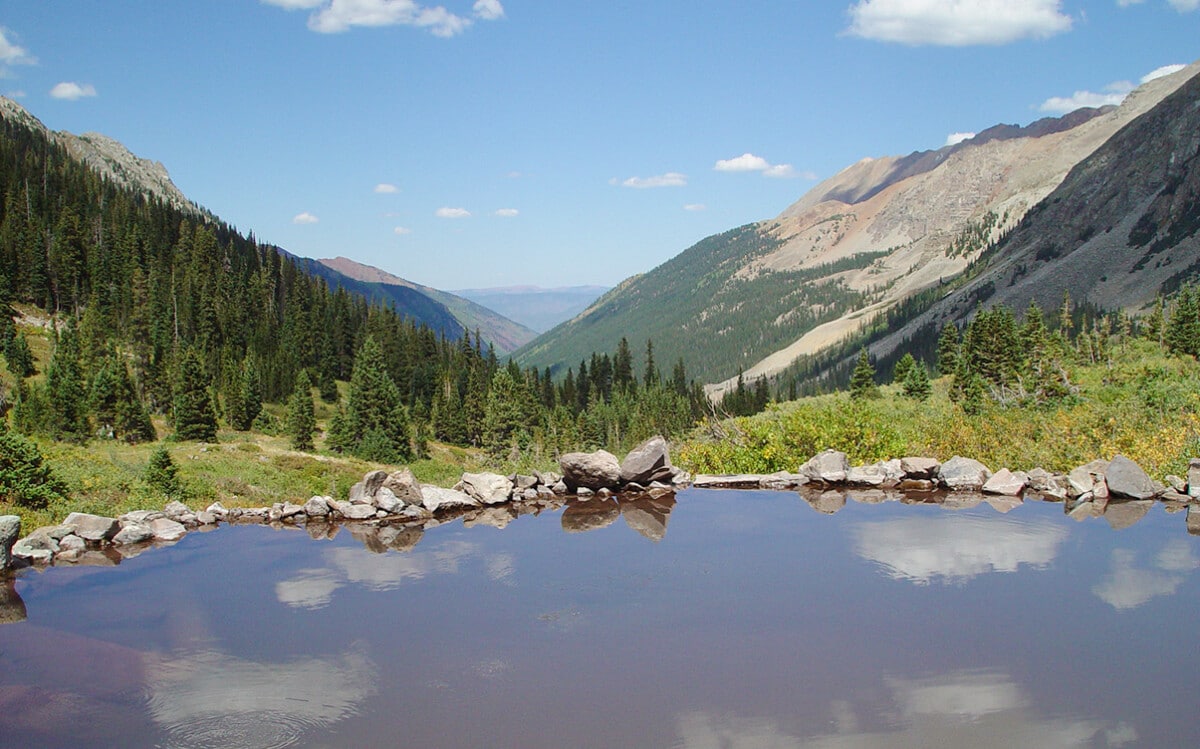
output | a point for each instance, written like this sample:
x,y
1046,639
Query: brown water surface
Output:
x,y
723,619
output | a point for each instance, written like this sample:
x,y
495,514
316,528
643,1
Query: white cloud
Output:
x,y
448,212
18,94
384,188
488,10
11,53
1165,70
953,139
748,162
400,231
336,16
304,218
507,212
1128,586
71,91
695,207
957,23
670,179
1183,6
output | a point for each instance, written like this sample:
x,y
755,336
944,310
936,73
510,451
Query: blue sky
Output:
x,y
496,142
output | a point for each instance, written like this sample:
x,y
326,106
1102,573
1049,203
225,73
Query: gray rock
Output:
x,y
869,475
1005,482
373,481
217,510
290,510
1127,479
404,485
1087,478
358,494
647,462
38,547
529,494
253,515
959,473
10,531
140,516
176,510
387,502
94,529
522,482
919,468
165,529
1193,478
72,543
828,466
595,470
559,487
437,499
1178,484
352,511
488,488
316,507
729,481
133,533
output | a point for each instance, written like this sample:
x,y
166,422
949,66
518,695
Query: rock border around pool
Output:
x,y
397,498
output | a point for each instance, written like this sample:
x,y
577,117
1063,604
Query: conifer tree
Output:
x,y
916,382
1183,330
65,390
947,354
192,411
1156,324
250,394
115,405
25,479
301,419
862,380
18,357
902,368
622,367
651,377
162,474
505,421
376,419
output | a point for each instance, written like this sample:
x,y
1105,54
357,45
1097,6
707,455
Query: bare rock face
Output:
x,y
829,466
316,507
649,461
963,474
10,531
598,470
488,488
1127,479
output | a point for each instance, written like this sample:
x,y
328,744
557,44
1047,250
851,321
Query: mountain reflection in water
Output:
x,y
880,620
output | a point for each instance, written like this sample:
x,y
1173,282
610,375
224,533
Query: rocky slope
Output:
x,y
854,247
504,334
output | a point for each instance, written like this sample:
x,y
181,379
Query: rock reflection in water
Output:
x,y
648,515
584,515
1121,514
12,608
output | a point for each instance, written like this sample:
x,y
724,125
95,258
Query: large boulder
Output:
x,y
94,529
828,466
404,485
598,470
317,506
488,488
649,461
133,532
963,474
437,499
917,467
1006,483
10,531
1088,478
168,530
1127,479
869,475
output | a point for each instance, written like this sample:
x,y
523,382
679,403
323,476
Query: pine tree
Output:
x,y
651,377
66,395
505,421
192,409
622,367
162,473
948,349
377,422
1183,330
862,380
25,479
902,368
115,406
916,382
18,357
301,419
250,394
1155,327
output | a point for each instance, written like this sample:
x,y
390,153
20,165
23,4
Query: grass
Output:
x,y
1144,405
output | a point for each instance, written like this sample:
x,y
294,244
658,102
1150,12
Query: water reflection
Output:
x,y
582,515
1128,586
977,709
211,699
648,515
12,608
956,548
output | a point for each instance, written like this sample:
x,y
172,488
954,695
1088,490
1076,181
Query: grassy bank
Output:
x,y
1144,405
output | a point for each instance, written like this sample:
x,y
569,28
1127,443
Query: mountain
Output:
x,y
1122,228
500,331
534,307
858,245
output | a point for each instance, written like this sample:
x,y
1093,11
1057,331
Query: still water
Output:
x,y
717,619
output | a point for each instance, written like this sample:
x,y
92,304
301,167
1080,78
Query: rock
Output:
x,y
488,488
919,468
1005,482
353,511
870,475
10,531
559,487
728,481
253,515
780,480
596,470
404,485
529,494
140,516
1127,479
72,543
316,507
218,511
828,466
589,515
133,533
1122,513
290,512
95,529
176,510
547,478
1193,478
959,473
436,499
647,462
827,503
1177,484
521,482
1193,518
1086,478
387,502
165,529
38,547
681,478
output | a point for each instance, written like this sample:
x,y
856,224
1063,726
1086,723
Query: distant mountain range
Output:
x,y
862,244
537,308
